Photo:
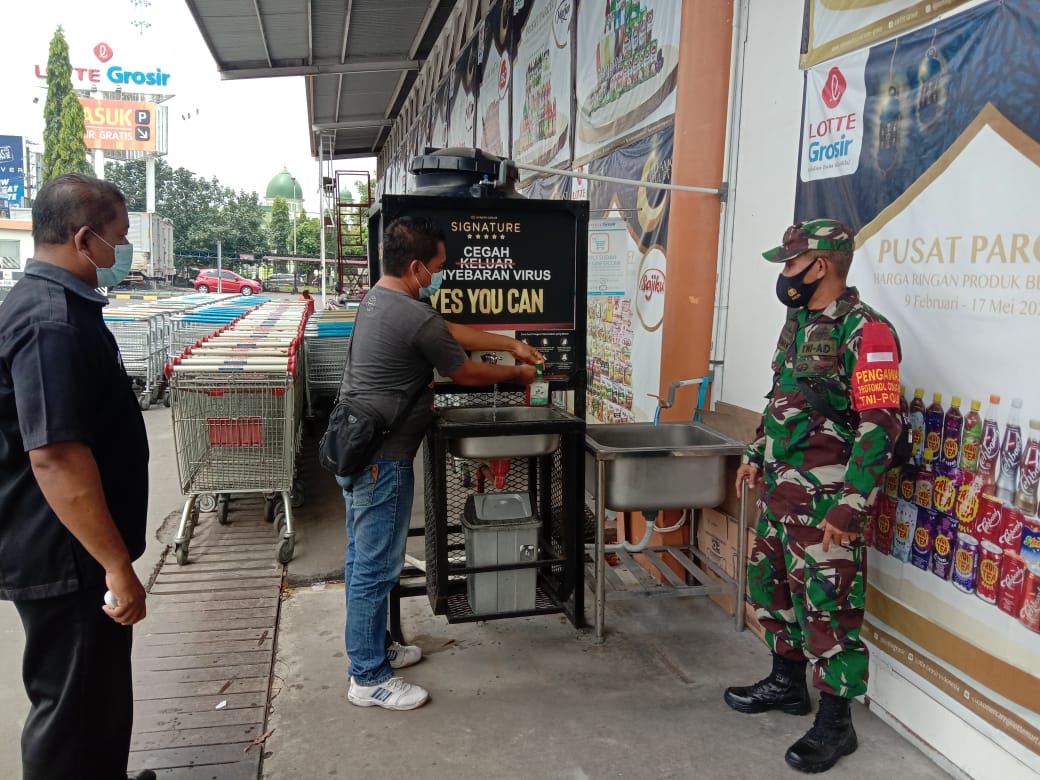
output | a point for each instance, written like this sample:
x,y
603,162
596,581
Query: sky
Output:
x,y
243,132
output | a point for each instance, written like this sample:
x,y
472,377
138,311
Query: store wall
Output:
x,y
761,198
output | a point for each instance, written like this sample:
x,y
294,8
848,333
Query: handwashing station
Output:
x,y
509,527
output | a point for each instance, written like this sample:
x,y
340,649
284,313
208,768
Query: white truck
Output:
x,y
152,237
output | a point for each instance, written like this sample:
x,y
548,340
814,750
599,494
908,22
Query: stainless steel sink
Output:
x,y
498,441
667,466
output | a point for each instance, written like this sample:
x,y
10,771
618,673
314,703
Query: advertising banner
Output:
x,y
496,69
542,82
462,110
929,147
835,27
12,170
119,125
626,71
439,117
627,279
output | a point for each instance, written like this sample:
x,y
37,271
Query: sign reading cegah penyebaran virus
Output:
x,y
511,265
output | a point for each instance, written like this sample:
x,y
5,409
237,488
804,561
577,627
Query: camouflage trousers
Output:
x,y
810,602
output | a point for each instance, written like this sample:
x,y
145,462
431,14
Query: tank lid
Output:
x,y
464,160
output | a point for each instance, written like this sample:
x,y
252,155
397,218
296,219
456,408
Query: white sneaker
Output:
x,y
394,694
401,656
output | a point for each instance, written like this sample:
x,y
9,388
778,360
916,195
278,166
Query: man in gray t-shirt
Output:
x,y
398,340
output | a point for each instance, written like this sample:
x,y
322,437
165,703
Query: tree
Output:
x,y
64,150
308,237
281,227
203,211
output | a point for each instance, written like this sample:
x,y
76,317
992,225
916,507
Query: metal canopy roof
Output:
x,y
359,58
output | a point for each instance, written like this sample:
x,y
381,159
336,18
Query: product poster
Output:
x,y
549,188
627,65
627,279
439,118
542,82
12,170
929,147
835,27
462,111
495,77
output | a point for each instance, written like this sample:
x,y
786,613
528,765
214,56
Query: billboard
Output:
x,y
119,125
12,170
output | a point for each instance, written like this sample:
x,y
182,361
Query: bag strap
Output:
x,y
819,402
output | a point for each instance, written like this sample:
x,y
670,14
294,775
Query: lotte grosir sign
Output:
x,y
832,136
109,72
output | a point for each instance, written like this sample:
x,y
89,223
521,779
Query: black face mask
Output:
x,y
794,290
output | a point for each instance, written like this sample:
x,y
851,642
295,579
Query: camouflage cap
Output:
x,y
824,234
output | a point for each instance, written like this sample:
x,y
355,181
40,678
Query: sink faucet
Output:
x,y
491,357
666,403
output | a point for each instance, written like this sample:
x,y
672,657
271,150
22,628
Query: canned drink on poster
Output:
x,y
987,586
989,520
1029,614
884,525
1029,548
906,521
1011,529
924,538
1012,581
965,563
942,550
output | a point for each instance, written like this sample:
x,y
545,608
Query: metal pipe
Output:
x,y
740,27
615,180
741,559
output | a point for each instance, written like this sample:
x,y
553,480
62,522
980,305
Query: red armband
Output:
x,y
875,380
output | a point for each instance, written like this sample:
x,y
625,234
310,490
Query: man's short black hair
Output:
x,y
407,239
68,202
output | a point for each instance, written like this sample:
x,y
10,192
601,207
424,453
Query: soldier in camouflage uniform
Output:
x,y
825,439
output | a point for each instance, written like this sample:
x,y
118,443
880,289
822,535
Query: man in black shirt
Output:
x,y
73,485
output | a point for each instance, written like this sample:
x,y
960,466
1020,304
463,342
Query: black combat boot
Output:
x,y
830,737
784,689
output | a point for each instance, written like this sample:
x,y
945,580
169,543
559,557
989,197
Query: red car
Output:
x,y
230,282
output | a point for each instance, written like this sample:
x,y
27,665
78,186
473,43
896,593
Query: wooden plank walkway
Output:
x,y
203,657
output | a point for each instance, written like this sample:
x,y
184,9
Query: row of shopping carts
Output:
x,y
144,333
237,397
325,351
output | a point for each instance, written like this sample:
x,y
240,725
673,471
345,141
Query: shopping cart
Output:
x,y
237,416
325,352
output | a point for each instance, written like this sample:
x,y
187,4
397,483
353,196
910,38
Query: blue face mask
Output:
x,y
436,280
124,258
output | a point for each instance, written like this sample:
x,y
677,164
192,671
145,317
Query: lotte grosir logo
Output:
x,y
834,88
103,52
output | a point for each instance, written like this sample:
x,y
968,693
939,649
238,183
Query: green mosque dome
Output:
x,y
282,186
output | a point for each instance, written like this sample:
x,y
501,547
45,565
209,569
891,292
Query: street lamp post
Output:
x,y
296,204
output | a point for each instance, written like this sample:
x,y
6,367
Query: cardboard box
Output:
x,y
726,603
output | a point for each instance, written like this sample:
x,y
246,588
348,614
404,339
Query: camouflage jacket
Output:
x,y
814,469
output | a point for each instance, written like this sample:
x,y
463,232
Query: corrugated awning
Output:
x,y
359,58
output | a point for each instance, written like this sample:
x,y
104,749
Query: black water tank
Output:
x,y
464,172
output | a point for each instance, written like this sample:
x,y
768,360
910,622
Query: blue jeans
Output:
x,y
379,507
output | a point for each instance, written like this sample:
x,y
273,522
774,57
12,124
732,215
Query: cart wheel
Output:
x,y
296,497
269,504
182,553
222,510
144,402
207,502
285,551
279,517
167,399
